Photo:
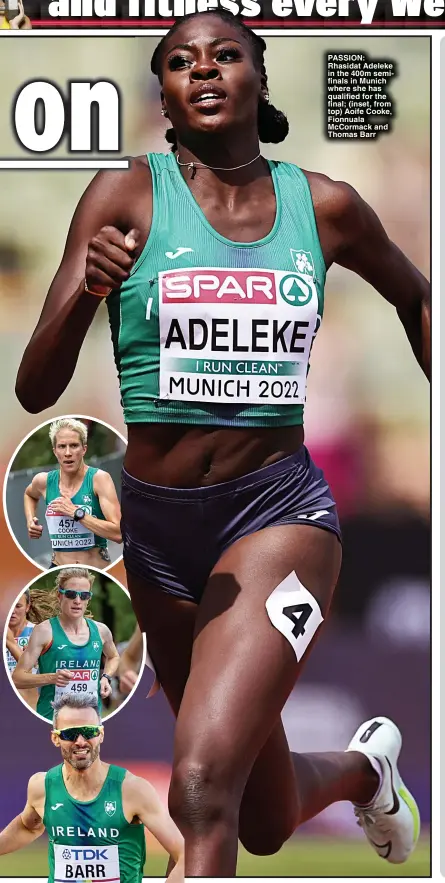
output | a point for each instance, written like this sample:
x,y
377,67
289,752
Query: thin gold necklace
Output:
x,y
193,166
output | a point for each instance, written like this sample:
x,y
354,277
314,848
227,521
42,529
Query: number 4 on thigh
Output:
x,y
299,615
294,611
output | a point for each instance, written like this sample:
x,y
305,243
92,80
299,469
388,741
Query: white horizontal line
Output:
x,y
64,164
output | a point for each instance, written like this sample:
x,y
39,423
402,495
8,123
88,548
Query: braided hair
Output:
x,y
273,126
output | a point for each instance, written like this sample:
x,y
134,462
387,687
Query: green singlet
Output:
x,y
211,331
91,840
83,662
66,534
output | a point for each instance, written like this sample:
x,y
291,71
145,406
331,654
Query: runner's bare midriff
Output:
x,y
178,455
86,558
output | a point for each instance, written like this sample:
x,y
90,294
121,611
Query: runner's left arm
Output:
x,y
27,826
366,249
108,528
142,800
112,659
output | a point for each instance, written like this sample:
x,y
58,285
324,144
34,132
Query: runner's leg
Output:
x,y
228,657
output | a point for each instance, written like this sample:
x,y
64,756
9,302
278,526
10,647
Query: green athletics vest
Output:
x,y
211,331
91,840
67,535
83,662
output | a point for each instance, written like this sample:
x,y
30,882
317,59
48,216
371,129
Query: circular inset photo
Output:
x,y
73,632
62,491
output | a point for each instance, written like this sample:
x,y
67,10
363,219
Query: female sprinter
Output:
x,y
213,262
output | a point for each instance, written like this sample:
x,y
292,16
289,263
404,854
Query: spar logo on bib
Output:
x,y
80,674
295,291
212,285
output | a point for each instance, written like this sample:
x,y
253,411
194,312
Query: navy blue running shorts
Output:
x,y
158,523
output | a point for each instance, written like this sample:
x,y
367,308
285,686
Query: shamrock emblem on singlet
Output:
x,y
303,262
110,807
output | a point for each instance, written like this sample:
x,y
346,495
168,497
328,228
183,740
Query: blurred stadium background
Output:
x,y
367,426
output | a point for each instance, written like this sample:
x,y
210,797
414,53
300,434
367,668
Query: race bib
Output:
x,y
22,642
83,683
236,336
66,533
94,864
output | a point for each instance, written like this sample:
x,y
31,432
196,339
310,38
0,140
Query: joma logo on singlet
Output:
x,y
214,285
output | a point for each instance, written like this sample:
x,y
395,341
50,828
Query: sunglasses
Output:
x,y
71,594
70,734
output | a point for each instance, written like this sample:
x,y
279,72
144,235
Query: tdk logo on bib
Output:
x,y
86,853
236,335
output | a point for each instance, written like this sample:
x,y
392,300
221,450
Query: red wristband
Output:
x,y
104,292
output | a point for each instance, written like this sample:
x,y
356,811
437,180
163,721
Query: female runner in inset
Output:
x,y
82,508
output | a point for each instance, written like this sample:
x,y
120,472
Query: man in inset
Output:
x,y
95,813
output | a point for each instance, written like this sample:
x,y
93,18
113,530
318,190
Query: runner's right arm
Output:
x,y
22,675
104,239
33,492
27,826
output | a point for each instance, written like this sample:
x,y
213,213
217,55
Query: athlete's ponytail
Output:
x,y
44,604
273,126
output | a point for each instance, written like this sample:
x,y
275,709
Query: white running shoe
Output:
x,y
391,821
